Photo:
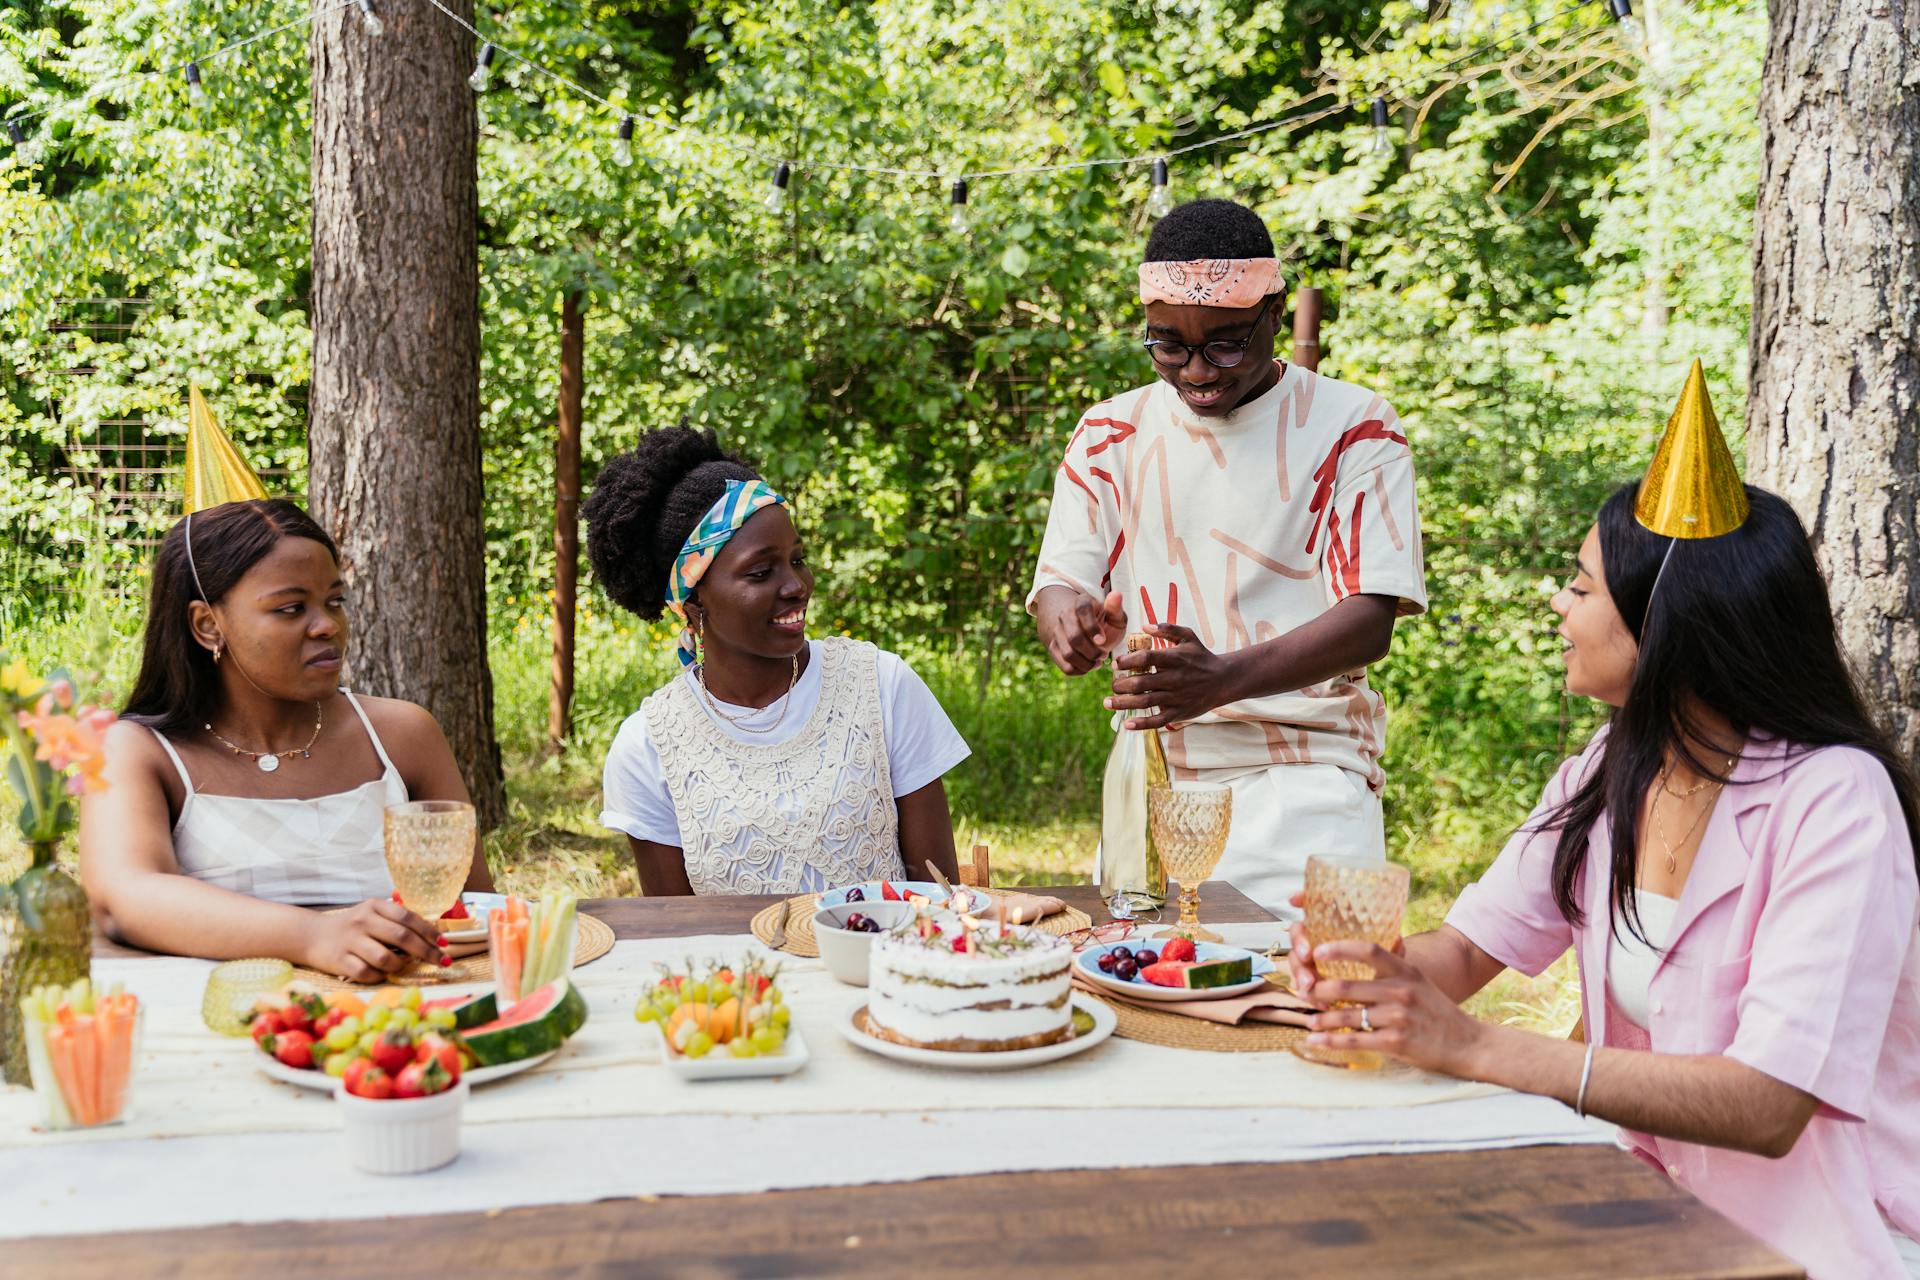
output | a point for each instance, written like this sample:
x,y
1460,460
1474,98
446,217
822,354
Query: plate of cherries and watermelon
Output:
x,y
1173,969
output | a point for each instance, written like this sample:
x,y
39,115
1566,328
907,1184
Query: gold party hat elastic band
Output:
x,y
1692,489
216,472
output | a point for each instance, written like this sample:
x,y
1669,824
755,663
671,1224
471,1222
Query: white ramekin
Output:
x,y
403,1135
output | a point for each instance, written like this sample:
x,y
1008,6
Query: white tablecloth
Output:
x,y
605,1119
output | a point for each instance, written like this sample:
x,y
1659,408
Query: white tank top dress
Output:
x,y
328,850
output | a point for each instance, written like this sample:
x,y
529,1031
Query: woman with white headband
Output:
x,y
245,785
772,763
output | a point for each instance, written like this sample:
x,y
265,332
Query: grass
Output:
x,y
1030,791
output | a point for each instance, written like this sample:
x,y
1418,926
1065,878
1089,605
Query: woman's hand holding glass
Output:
x,y
1407,1017
369,941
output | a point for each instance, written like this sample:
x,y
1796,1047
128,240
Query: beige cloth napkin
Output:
x,y
1025,908
1275,1004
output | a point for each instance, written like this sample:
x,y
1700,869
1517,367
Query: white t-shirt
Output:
x,y
922,745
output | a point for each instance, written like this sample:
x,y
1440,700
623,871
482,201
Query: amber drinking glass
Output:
x,y
1352,900
429,852
1190,821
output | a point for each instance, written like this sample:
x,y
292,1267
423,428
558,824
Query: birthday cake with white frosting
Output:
x,y
972,990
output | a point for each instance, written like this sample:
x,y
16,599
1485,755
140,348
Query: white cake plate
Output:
x,y
1005,1060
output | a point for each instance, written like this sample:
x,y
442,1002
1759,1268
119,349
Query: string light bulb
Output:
x,y
17,133
482,69
1160,203
777,189
957,208
1382,133
196,91
371,20
1630,27
623,142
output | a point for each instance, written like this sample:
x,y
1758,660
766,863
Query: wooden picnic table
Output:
x,y
1566,1211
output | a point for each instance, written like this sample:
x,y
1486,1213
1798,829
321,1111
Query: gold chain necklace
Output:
x,y
1653,811
268,761
786,699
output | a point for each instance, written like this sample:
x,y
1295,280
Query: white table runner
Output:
x,y
603,1118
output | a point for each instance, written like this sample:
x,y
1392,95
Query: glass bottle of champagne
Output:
x,y
1132,877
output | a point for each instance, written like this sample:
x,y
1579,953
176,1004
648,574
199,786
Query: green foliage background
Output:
x,y
1491,273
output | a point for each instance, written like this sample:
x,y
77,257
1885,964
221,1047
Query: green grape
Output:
x,y
412,1000
404,1017
781,1017
341,1037
772,996
377,1017
647,1011
337,1063
767,1041
723,992
442,1018
353,1025
698,1045
698,993
368,1039
742,1048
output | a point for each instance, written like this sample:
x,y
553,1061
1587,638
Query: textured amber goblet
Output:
x,y
1190,821
1352,900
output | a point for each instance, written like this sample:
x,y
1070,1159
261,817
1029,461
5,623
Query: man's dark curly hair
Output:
x,y
644,505
1209,229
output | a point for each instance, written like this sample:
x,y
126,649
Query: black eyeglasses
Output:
x,y
1221,355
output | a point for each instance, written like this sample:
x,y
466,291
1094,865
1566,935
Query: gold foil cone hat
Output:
x,y
1692,490
216,472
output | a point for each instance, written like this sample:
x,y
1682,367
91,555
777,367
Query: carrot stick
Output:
x,y
60,1047
116,1019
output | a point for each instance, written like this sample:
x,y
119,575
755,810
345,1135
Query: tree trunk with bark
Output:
x,y
566,516
394,435
1833,420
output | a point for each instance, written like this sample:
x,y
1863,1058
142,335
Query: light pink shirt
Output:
x,y
1795,950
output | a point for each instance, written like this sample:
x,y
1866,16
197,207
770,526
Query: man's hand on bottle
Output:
x,y
1176,684
1078,630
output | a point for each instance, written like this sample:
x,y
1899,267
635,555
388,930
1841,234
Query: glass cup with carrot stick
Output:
x,y
531,943
81,1047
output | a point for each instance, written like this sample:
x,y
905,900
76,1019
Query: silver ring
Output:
x,y
1365,1024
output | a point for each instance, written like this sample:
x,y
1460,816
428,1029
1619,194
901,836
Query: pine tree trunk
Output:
x,y
1833,421
394,436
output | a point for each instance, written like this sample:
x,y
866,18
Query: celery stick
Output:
x,y
39,1062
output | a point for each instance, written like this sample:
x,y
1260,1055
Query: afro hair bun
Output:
x,y
644,505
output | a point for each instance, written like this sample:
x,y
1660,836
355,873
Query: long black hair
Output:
x,y
178,684
1743,627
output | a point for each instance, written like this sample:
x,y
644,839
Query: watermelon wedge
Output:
x,y
539,1022
1168,973
468,1011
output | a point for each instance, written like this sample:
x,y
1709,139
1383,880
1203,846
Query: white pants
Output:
x,y
1284,814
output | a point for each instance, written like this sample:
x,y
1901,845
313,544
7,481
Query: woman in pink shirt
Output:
x,y
1732,860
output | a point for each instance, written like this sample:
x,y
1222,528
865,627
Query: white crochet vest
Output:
x,y
754,818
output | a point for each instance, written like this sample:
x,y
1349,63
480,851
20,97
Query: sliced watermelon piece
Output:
x,y
888,893
539,1022
468,1011
1168,973
1217,973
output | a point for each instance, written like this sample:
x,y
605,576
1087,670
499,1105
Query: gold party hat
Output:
x,y
1692,489
216,472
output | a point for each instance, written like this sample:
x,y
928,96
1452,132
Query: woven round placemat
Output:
x,y
801,942
1177,1031
594,940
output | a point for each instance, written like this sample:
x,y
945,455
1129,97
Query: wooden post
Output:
x,y
1306,327
566,518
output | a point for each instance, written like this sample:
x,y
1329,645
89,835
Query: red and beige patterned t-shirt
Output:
x,y
1244,527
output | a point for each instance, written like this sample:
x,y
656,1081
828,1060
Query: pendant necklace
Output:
x,y
1653,815
268,761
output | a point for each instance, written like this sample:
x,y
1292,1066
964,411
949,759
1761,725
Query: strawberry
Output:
x,y
355,1070
420,1079
960,941
393,1050
295,1048
327,1022
370,1083
1178,949
457,912
264,1025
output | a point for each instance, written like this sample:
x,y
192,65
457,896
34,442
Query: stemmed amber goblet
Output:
x,y
1190,821
429,853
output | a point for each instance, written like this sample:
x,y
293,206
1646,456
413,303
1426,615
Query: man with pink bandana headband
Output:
x,y
1258,520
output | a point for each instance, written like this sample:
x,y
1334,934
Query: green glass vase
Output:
x,y
46,936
